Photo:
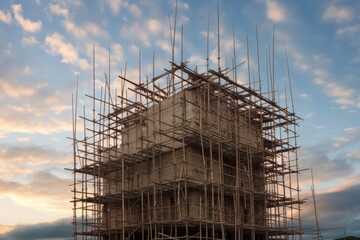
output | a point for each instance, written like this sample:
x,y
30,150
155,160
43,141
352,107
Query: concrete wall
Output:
x,y
161,124
191,109
196,207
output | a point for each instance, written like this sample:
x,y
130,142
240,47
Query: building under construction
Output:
x,y
187,155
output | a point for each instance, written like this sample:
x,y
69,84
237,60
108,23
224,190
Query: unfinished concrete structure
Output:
x,y
187,155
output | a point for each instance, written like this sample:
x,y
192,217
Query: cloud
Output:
x,y
76,31
5,17
102,54
23,139
20,123
297,56
336,90
41,97
95,30
340,141
116,52
133,9
29,40
32,175
342,95
58,46
351,130
27,70
75,3
33,107
26,24
340,205
39,118
304,95
275,11
40,190
58,10
114,5
60,230
5,228
180,4
337,13
335,209
154,26
15,90
136,31
349,30
355,155
34,155
351,134
82,32
318,157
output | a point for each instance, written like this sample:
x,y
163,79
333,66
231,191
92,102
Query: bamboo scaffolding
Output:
x,y
188,156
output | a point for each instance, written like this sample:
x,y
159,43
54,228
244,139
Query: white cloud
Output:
x,y
133,9
58,10
76,31
180,4
27,70
275,11
23,139
102,54
297,56
114,5
336,90
9,124
183,20
5,17
340,141
34,155
95,30
355,154
337,13
136,31
75,3
351,133
17,91
199,61
29,40
154,26
304,95
349,30
351,130
117,52
26,24
57,46
82,32
164,45
8,49
40,186
345,102
342,95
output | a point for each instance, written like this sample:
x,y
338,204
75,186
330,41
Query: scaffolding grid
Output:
x,y
187,155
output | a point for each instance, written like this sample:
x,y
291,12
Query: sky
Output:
x,y
46,45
